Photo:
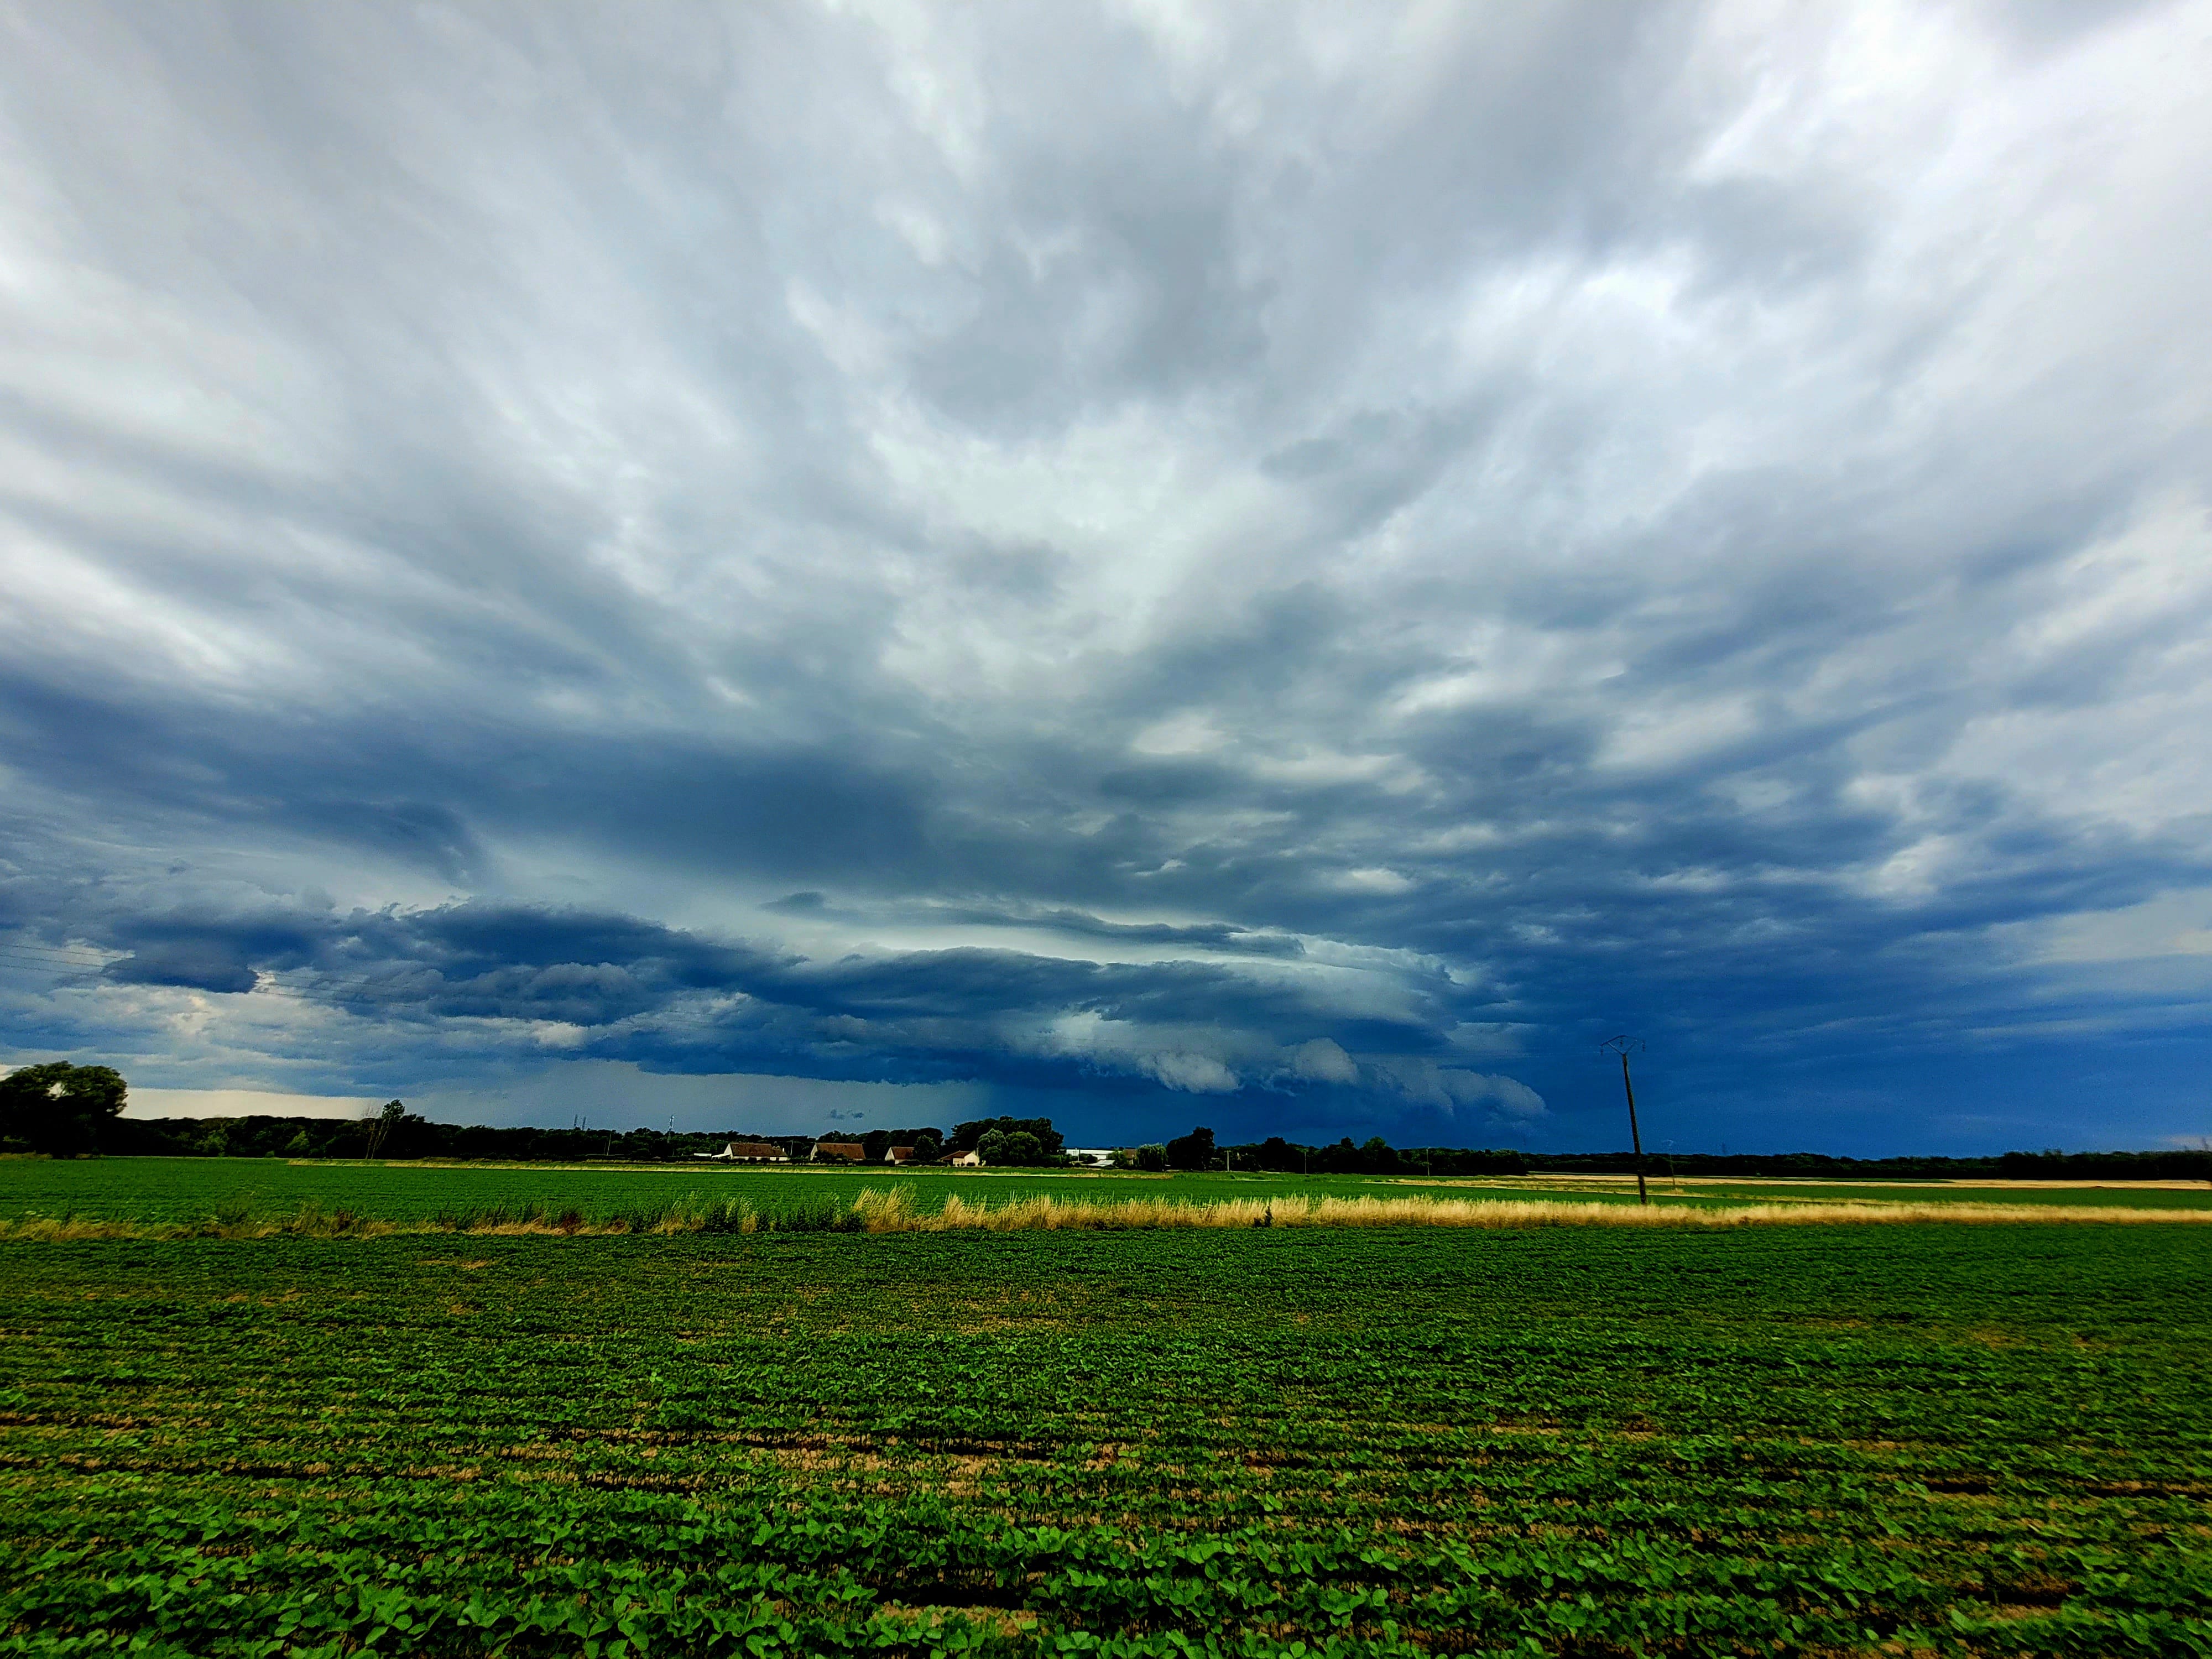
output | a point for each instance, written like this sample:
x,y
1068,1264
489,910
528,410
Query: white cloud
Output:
x,y
1322,1061
1196,1074
244,1102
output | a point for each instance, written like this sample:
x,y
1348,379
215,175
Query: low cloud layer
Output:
x,y
1273,566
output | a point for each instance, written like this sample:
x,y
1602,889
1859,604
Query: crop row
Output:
x,y
1984,1440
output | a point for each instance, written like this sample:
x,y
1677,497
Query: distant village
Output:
x,y
854,1151
1024,1143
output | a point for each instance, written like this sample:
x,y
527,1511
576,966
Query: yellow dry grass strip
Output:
x,y
893,1212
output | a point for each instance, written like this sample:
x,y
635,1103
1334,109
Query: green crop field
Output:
x,y
185,1189
1791,1440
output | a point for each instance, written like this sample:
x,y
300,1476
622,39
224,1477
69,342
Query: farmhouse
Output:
x,y
969,1161
840,1151
748,1151
897,1154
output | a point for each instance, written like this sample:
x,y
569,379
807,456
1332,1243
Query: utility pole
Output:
x,y
1624,1046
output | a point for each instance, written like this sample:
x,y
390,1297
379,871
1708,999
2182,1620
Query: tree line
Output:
x,y
1198,1150
68,1110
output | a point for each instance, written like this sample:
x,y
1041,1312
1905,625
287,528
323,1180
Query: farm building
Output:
x,y
748,1151
897,1154
839,1152
969,1161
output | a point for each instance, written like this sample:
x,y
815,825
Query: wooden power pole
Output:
x,y
1623,1046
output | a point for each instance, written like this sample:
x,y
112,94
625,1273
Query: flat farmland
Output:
x,y
156,1190
1902,1438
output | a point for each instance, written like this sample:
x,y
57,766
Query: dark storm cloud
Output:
x,y
196,967
1318,559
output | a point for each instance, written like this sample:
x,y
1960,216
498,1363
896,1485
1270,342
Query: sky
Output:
x,y
1285,567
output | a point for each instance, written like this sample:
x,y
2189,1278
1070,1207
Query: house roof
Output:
x,y
840,1149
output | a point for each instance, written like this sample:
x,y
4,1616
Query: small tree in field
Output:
x,y
58,1108
1154,1158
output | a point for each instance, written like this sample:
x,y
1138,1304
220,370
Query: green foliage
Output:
x,y
1152,1159
1194,1150
926,1142
1020,1150
1961,1441
969,1137
59,1108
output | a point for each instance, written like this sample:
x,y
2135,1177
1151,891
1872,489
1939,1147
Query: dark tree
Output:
x,y
925,1141
1012,1149
1192,1151
969,1136
59,1108
395,1131
1154,1158
1343,1159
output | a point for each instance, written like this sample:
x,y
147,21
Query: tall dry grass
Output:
x,y
892,1211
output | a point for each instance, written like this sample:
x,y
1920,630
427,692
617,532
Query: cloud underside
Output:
x,y
487,978
1179,556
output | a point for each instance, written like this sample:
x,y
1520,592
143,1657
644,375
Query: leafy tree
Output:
x,y
1154,1158
969,1136
1192,1151
925,1142
59,1108
385,1121
1016,1149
